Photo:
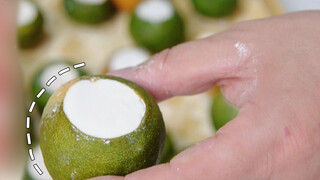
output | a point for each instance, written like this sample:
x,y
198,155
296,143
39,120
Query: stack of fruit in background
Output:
x,y
110,35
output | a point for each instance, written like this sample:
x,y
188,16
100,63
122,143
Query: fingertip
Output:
x,y
142,77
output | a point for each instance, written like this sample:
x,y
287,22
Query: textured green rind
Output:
x,y
157,36
70,154
168,151
215,8
36,84
222,111
89,14
29,35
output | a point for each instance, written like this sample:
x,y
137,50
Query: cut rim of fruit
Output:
x,y
128,57
155,11
27,13
91,2
104,108
52,70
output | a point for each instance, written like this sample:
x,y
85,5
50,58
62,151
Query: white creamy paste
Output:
x,y
27,13
104,108
155,11
128,57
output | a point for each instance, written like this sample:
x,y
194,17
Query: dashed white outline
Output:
x,y
28,122
31,154
79,65
28,139
41,92
32,106
65,70
36,167
51,80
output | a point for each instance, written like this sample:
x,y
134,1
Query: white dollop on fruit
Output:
x,y
39,161
103,108
52,70
155,11
128,57
27,13
92,2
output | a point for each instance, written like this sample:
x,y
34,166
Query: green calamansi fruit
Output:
x,y
222,111
30,24
30,172
156,25
168,151
89,11
100,125
215,8
45,73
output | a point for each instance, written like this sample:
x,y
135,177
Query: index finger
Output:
x,y
187,69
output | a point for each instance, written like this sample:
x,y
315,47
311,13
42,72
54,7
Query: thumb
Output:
x,y
223,156
187,69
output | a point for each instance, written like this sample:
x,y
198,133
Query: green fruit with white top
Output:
x,y
222,111
45,73
30,24
89,11
156,25
215,8
100,125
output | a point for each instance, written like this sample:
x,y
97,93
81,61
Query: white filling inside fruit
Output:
x,y
52,70
104,108
91,2
27,13
128,57
39,160
155,11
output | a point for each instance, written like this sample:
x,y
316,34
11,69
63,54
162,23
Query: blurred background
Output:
x,y
107,35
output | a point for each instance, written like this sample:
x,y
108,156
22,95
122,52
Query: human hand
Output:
x,y
268,68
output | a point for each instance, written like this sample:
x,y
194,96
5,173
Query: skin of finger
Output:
x,y
297,77
284,86
291,127
219,157
11,104
186,69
